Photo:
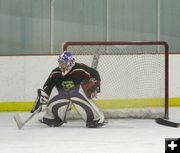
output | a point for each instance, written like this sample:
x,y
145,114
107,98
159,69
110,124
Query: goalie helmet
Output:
x,y
66,62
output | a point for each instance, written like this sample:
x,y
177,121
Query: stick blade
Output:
x,y
166,122
18,121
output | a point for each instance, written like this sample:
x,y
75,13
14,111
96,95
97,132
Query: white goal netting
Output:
x,y
133,76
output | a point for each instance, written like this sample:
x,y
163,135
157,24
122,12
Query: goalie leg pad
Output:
x,y
87,108
56,113
56,109
92,118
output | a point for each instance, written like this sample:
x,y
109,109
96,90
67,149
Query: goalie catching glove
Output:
x,y
42,99
91,87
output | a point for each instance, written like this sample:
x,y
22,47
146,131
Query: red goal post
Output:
x,y
141,70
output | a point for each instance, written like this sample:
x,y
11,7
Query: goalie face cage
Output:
x,y
134,75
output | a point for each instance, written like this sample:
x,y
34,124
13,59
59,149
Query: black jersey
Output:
x,y
75,76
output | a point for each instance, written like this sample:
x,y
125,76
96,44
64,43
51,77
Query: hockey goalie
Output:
x,y
71,83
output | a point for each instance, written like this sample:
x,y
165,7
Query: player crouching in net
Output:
x,y
69,84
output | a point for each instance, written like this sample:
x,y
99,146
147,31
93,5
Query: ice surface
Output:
x,y
118,136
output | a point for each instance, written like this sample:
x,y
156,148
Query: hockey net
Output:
x,y
134,76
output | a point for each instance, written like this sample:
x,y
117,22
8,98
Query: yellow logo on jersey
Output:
x,y
67,85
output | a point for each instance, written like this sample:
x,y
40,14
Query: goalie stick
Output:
x,y
68,109
21,123
166,122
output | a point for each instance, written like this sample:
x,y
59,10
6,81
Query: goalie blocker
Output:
x,y
42,99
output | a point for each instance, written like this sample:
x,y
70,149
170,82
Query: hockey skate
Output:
x,y
51,122
95,124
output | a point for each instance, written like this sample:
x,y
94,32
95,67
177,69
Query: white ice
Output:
x,y
118,136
